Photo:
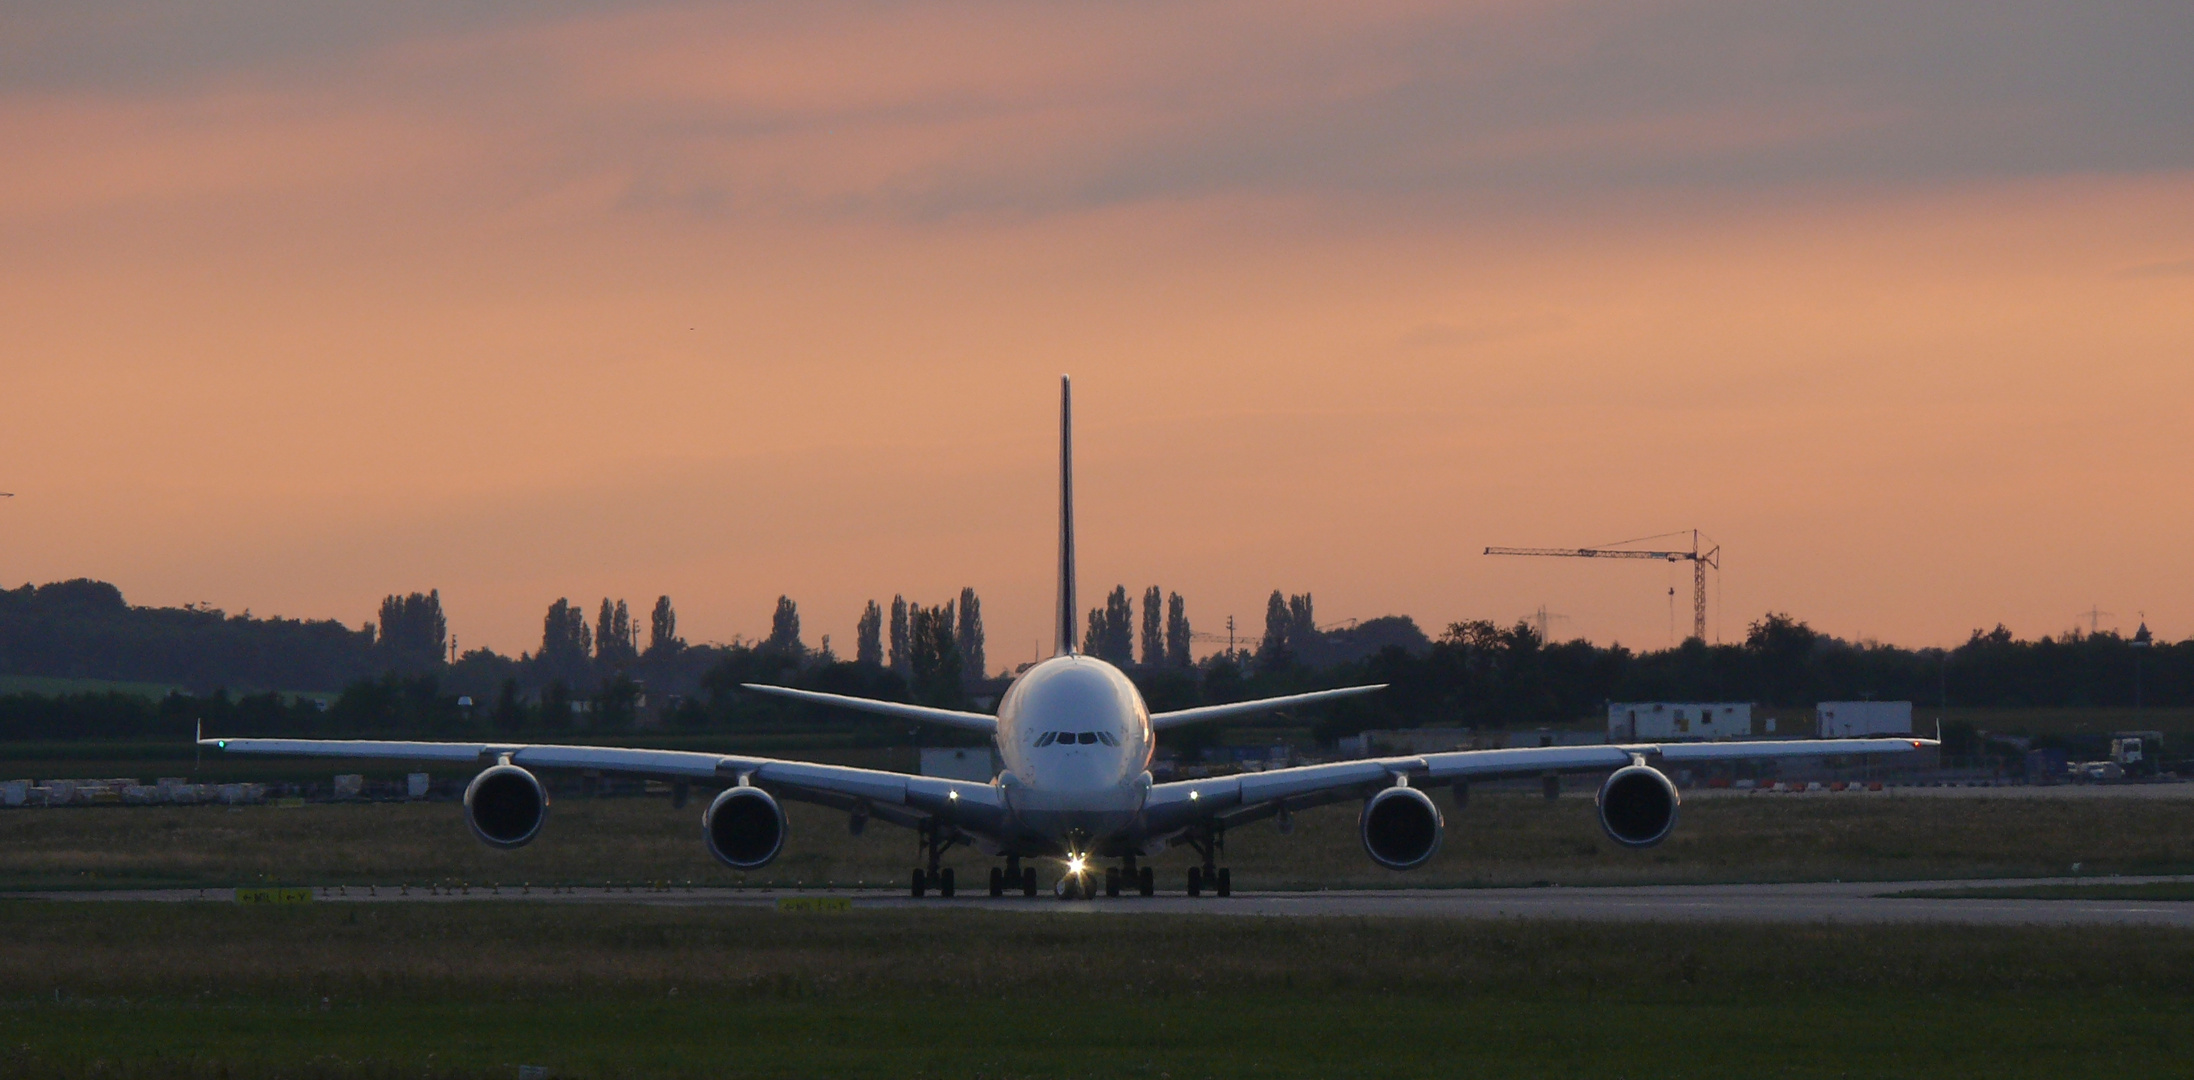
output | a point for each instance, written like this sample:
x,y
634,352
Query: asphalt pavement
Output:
x,y
1818,902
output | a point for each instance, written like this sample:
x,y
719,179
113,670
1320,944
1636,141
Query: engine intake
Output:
x,y
505,806
1401,828
744,827
1638,806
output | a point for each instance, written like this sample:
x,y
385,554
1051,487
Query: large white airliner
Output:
x,y
1076,741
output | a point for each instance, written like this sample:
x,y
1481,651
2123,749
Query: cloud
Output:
x,y
935,112
2178,268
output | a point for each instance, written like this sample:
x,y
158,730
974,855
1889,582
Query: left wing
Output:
x,y
973,721
898,797
1180,803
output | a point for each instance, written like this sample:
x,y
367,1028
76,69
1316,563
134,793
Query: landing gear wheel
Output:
x,y
997,882
1070,887
1226,883
1146,881
944,882
1112,881
1028,881
1195,881
921,883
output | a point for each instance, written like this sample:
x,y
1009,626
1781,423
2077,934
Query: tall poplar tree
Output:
x,y
902,659
1177,631
970,636
868,636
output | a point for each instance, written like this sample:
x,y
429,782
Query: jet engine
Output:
x,y
1637,806
744,827
1401,828
505,807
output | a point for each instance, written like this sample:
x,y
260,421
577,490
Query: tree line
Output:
x,y
609,673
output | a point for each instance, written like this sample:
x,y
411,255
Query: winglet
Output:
x,y
1063,644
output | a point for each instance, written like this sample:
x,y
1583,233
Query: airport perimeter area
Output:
x,y
613,948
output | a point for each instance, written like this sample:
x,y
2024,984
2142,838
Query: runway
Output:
x,y
1822,902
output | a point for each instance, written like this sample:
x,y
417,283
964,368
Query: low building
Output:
x,y
1856,719
977,763
1677,721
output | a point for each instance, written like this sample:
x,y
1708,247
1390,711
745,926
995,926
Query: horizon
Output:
x,y
521,302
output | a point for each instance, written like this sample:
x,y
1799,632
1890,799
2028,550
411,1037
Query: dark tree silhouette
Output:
x,y
663,638
567,646
414,635
901,658
784,628
1177,631
1154,638
868,636
970,635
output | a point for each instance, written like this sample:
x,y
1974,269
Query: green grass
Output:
x,y
336,990
1497,840
2153,890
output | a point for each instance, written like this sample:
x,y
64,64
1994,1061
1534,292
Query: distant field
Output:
x,y
39,684
327,990
1501,839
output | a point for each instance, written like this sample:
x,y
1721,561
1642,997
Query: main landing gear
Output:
x,y
1210,841
1014,876
935,842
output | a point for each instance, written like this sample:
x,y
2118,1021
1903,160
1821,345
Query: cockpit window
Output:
x,y
1089,738
1105,737
1046,738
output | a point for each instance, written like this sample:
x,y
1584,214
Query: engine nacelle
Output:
x,y
744,827
1401,828
1637,806
505,806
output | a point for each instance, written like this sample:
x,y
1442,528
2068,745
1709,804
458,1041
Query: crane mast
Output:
x,y
1698,559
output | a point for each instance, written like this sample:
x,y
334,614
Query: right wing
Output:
x,y
898,797
1177,804
1163,720
973,721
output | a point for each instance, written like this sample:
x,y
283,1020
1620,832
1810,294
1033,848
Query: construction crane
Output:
x,y
1698,559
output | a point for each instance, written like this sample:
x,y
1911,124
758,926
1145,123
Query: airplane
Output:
x,y
1076,740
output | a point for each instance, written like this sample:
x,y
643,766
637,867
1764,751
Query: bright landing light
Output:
x,y
1075,863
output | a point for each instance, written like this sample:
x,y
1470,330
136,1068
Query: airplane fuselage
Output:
x,y
1076,742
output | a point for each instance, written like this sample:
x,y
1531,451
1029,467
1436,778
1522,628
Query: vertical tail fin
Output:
x,y
1065,643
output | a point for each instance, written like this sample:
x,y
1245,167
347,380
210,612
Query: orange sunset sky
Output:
x,y
305,304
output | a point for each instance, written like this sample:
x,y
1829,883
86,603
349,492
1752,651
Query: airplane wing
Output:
x,y
973,721
1179,803
1164,720
897,797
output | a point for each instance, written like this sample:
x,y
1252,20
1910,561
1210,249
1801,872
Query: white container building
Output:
x,y
1677,721
1853,719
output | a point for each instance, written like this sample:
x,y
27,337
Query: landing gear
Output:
x,y
935,842
944,883
1210,842
1112,881
1146,882
1012,877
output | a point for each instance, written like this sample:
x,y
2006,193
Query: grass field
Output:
x,y
1500,839
333,990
